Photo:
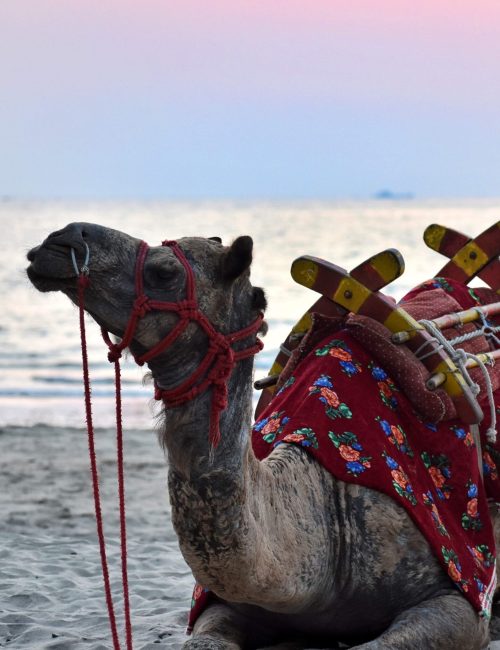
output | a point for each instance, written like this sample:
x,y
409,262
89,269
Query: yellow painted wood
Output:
x,y
351,294
399,320
439,378
305,272
461,317
467,316
455,383
485,357
433,236
303,324
276,369
387,266
470,264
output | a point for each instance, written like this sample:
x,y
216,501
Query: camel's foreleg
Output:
x,y
443,623
220,627
217,628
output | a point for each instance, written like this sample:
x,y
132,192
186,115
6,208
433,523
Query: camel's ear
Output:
x,y
237,258
217,239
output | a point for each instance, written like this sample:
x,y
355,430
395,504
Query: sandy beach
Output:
x,y
51,593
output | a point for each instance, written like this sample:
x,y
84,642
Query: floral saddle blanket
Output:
x,y
383,442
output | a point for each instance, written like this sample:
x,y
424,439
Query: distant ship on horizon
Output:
x,y
393,196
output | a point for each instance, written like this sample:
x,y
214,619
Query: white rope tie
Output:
x,y
459,358
488,329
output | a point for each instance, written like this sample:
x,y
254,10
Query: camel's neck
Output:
x,y
232,513
206,485
186,430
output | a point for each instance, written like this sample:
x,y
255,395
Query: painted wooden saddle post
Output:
x,y
358,293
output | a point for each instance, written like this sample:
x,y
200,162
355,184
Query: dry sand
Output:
x,y
51,594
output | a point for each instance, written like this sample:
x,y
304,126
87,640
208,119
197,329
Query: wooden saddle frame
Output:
x,y
359,292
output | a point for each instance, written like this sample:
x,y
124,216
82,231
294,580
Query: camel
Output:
x,y
295,557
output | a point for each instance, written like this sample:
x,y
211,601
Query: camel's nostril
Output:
x,y
56,233
70,237
32,254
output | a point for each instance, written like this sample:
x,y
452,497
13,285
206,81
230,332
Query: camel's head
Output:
x,y
221,274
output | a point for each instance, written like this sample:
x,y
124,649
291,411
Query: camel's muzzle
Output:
x,y
51,264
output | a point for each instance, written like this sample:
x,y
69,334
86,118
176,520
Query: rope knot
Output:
x,y
219,399
491,435
219,404
114,354
460,356
187,309
141,306
222,367
219,343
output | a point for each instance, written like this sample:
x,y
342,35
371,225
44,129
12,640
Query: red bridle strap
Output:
x,y
220,359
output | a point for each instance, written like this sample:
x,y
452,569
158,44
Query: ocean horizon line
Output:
x,y
396,197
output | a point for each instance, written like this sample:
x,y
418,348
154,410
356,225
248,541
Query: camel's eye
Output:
x,y
159,274
163,273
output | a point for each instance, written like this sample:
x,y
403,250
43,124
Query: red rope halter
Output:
x,y
214,371
220,359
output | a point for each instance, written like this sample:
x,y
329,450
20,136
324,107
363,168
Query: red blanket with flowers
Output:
x,y
380,442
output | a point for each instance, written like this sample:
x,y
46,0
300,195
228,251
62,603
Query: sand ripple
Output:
x,y
51,594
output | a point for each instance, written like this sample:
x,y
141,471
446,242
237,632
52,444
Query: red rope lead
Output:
x,y
82,284
121,499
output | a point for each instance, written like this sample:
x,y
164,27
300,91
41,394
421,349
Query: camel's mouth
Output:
x,y
50,268
46,283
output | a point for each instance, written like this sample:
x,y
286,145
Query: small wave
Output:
x,y
47,364
15,355
67,393
78,380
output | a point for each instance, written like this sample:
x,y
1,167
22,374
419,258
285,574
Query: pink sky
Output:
x,y
439,48
426,59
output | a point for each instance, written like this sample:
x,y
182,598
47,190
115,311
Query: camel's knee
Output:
x,y
217,628
443,623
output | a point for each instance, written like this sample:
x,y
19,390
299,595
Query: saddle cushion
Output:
x,y
409,373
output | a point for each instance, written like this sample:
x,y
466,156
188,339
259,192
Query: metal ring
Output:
x,y
84,270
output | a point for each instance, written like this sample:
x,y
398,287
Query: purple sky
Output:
x,y
233,98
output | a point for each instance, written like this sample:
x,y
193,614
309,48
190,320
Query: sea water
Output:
x,y
40,357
